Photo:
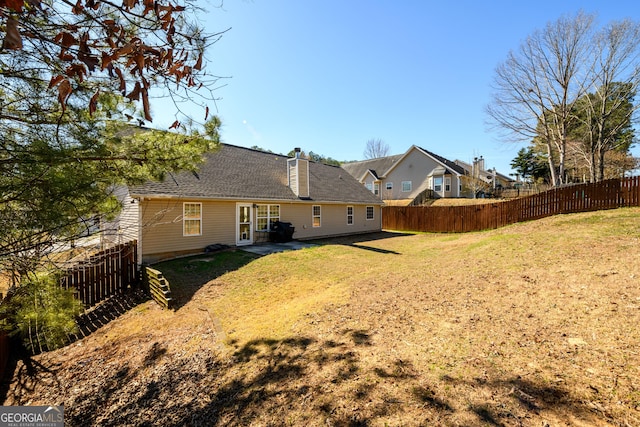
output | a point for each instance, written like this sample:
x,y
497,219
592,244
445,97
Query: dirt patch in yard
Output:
x,y
531,325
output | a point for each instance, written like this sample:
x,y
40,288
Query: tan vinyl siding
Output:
x,y
298,170
415,168
292,168
124,227
303,178
162,231
333,220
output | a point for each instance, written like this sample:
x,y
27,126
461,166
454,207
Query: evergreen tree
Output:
x,y
41,313
71,75
531,165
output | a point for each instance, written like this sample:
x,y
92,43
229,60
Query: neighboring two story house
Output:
x,y
419,174
491,177
402,178
235,198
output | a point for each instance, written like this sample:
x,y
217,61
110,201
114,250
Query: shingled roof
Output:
x,y
239,173
448,163
378,166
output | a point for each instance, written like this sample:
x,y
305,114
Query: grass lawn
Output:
x,y
534,324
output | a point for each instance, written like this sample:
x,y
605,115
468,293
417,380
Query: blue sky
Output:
x,y
330,75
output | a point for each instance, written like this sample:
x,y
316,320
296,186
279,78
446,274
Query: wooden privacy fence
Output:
x,y
106,273
609,194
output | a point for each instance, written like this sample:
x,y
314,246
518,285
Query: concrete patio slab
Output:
x,y
270,248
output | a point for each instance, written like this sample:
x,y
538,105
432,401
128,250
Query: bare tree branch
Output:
x,y
376,148
536,87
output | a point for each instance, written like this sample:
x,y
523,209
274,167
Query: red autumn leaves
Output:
x,y
104,44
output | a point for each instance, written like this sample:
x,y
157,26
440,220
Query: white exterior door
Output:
x,y
244,224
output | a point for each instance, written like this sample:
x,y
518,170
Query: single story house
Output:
x,y
402,178
235,198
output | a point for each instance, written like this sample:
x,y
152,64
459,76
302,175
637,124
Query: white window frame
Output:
x,y
436,185
190,217
349,215
270,219
314,216
376,188
406,186
373,213
447,184
389,185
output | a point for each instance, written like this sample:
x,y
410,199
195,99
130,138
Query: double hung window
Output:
x,y
316,215
437,184
370,212
192,219
349,215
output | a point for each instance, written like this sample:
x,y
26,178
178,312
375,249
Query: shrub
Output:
x,y
42,313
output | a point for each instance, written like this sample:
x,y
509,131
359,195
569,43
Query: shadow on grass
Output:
x,y
114,307
374,249
21,371
22,366
187,275
356,240
528,396
302,380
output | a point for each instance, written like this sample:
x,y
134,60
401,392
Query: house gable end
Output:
x,y
399,160
360,170
447,164
373,174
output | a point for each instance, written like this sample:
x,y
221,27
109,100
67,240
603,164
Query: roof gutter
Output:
x,y
143,197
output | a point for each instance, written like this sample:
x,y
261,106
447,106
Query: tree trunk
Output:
x,y
561,168
552,166
601,153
